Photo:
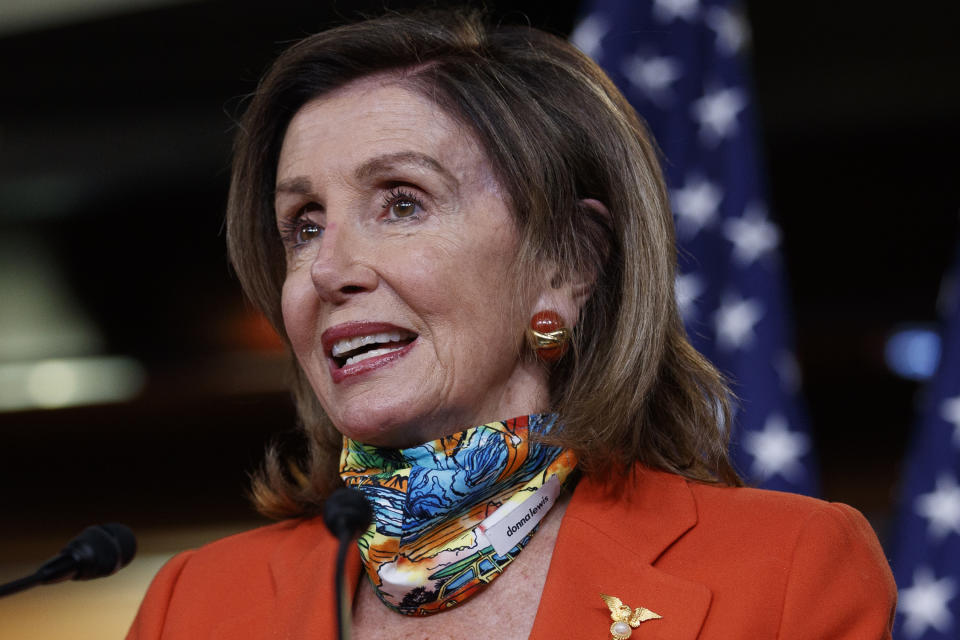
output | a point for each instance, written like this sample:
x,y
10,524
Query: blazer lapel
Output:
x,y
609,544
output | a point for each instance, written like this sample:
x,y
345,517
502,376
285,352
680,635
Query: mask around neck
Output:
x,y
426,549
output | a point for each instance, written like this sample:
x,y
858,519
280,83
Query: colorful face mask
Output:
x,y
434,532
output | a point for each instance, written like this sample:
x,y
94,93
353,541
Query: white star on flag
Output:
x,y
732,30
776,450
950,411
717,114
735,321
588,34
941,508
687,288
681,64
925,603
653,76
695,205
670,10
752,235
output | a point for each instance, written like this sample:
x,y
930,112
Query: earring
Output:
x,y
547,336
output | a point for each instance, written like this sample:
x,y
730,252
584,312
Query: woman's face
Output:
x,y
401,300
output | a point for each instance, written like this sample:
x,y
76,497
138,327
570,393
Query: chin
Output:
x,y
381,428
396,426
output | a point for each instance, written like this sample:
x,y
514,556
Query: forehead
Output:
x,y
377,116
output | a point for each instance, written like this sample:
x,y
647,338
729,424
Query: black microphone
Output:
x,y
346,514
100,550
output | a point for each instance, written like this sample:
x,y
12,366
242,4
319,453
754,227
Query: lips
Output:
x,y
357,347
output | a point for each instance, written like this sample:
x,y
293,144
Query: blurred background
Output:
x,y
136,385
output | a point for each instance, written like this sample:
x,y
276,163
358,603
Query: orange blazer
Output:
x,y
714,562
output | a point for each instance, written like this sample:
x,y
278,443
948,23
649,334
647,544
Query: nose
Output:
x,y
339,270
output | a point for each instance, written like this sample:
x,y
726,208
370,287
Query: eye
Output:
x,y
306,231
401,205
403,208
300,230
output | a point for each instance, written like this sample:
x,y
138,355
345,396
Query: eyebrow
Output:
x,y
299,185
374,166
384,163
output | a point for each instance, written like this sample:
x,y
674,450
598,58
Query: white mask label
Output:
x,y
505,528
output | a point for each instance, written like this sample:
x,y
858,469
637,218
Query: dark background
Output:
x,y
115,134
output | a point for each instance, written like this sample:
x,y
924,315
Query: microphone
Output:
x,y
100,550
346,514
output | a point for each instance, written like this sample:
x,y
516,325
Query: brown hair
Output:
x,y
557,132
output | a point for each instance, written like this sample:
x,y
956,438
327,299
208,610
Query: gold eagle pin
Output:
x,y
625,619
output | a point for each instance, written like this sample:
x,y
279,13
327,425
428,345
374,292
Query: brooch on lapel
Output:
x,y
625,619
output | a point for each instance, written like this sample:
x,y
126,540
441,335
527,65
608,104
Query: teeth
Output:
x,y
370,354
349,344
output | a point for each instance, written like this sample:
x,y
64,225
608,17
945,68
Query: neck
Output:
x,y
507,608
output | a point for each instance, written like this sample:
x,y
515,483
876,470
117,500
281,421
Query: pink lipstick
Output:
x,y
354,348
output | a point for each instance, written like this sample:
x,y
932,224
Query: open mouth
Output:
x,y
359,348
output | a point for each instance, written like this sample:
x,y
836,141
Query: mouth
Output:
x,y
354,348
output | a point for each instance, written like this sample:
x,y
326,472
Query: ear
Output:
x,y
564,290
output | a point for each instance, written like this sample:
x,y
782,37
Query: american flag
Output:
x,y
680,63
926,550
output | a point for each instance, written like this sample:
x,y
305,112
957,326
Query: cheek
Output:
x,y
470,288
297,317
427,275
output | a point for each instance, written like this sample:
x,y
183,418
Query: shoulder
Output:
x,y
785,554
203,587
795,528
720,508
251,560
780,524
807,551
262,545
653,500
770,560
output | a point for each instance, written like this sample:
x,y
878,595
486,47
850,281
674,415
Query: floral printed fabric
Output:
x,y
422,552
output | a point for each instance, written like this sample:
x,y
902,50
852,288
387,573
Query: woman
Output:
x,y
412,196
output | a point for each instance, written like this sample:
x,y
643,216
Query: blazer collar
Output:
x,y
609,543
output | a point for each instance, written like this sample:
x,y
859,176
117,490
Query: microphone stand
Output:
x,y
346,514
344,617
20,584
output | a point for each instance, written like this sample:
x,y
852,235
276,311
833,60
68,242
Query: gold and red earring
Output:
x,y
547,335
